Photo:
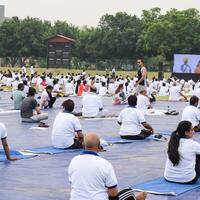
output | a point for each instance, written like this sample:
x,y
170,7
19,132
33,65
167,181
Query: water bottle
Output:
x,y
168,109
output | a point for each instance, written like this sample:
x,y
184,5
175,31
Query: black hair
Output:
x,y
20,86
132,100
194,100
68,105
93,89
174,141
55,81
49,87
31,92
103,84
25,82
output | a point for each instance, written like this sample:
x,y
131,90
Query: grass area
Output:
x,y
64,71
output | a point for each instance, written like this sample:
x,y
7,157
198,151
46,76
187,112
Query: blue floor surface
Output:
x,y
45,176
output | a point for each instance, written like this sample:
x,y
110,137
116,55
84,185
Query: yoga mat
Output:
x,y
119,140
17,154
162,187
49,150
38,128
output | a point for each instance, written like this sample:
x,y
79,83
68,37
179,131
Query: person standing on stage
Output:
x,y
142,76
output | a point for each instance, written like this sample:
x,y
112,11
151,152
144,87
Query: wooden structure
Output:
x,y
59,51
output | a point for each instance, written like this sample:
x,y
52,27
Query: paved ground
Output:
x,y
45,177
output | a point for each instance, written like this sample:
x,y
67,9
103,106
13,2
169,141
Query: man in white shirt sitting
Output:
x,y
143,102
163,90
92,105
192,113
3,138
69,88
67,131
103,90
132,122
175,93
93,178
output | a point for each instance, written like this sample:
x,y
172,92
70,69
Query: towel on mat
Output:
x,y
162,187
17,154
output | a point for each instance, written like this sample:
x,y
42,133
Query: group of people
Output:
x,y
108,84
98,179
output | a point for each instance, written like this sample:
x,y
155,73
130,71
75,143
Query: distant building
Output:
x,y
2,13
59,51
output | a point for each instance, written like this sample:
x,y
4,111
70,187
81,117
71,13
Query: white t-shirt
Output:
x,y
3,131
64,128
69,88
163,91
197,92
192,114
111,88
90,177
91,105
102,91
56,88
24,70
32,69
185,170
142,102
131,119
15,85
174,93
9,81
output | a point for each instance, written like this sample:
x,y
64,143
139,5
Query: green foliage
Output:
x,y
117,41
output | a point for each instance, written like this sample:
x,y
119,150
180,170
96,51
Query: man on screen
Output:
x,y
185,68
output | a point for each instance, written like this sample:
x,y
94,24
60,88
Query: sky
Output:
x,y
87,12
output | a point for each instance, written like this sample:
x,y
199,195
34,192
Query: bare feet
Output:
x,y
141,196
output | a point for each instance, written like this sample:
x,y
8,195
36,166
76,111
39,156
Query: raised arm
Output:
x,y
7,150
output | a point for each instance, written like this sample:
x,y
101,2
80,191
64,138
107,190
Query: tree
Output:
x,y
174,32
10,40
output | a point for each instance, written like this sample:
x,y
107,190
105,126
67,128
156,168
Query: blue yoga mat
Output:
x,y
162,187
14,154
50,150
119,140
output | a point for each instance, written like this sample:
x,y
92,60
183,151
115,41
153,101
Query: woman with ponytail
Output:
x,y
183,162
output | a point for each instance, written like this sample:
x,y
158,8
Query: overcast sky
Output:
x,y
87,12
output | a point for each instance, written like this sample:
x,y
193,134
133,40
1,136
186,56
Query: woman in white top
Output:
x,y
183,162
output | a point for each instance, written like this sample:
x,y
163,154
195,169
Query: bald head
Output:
x,y
91,141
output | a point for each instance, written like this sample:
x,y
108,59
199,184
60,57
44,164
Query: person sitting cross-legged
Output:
x,y
132,122
30,110
93,178
66,132
18,96
92,105
192,113
47,100
183,162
